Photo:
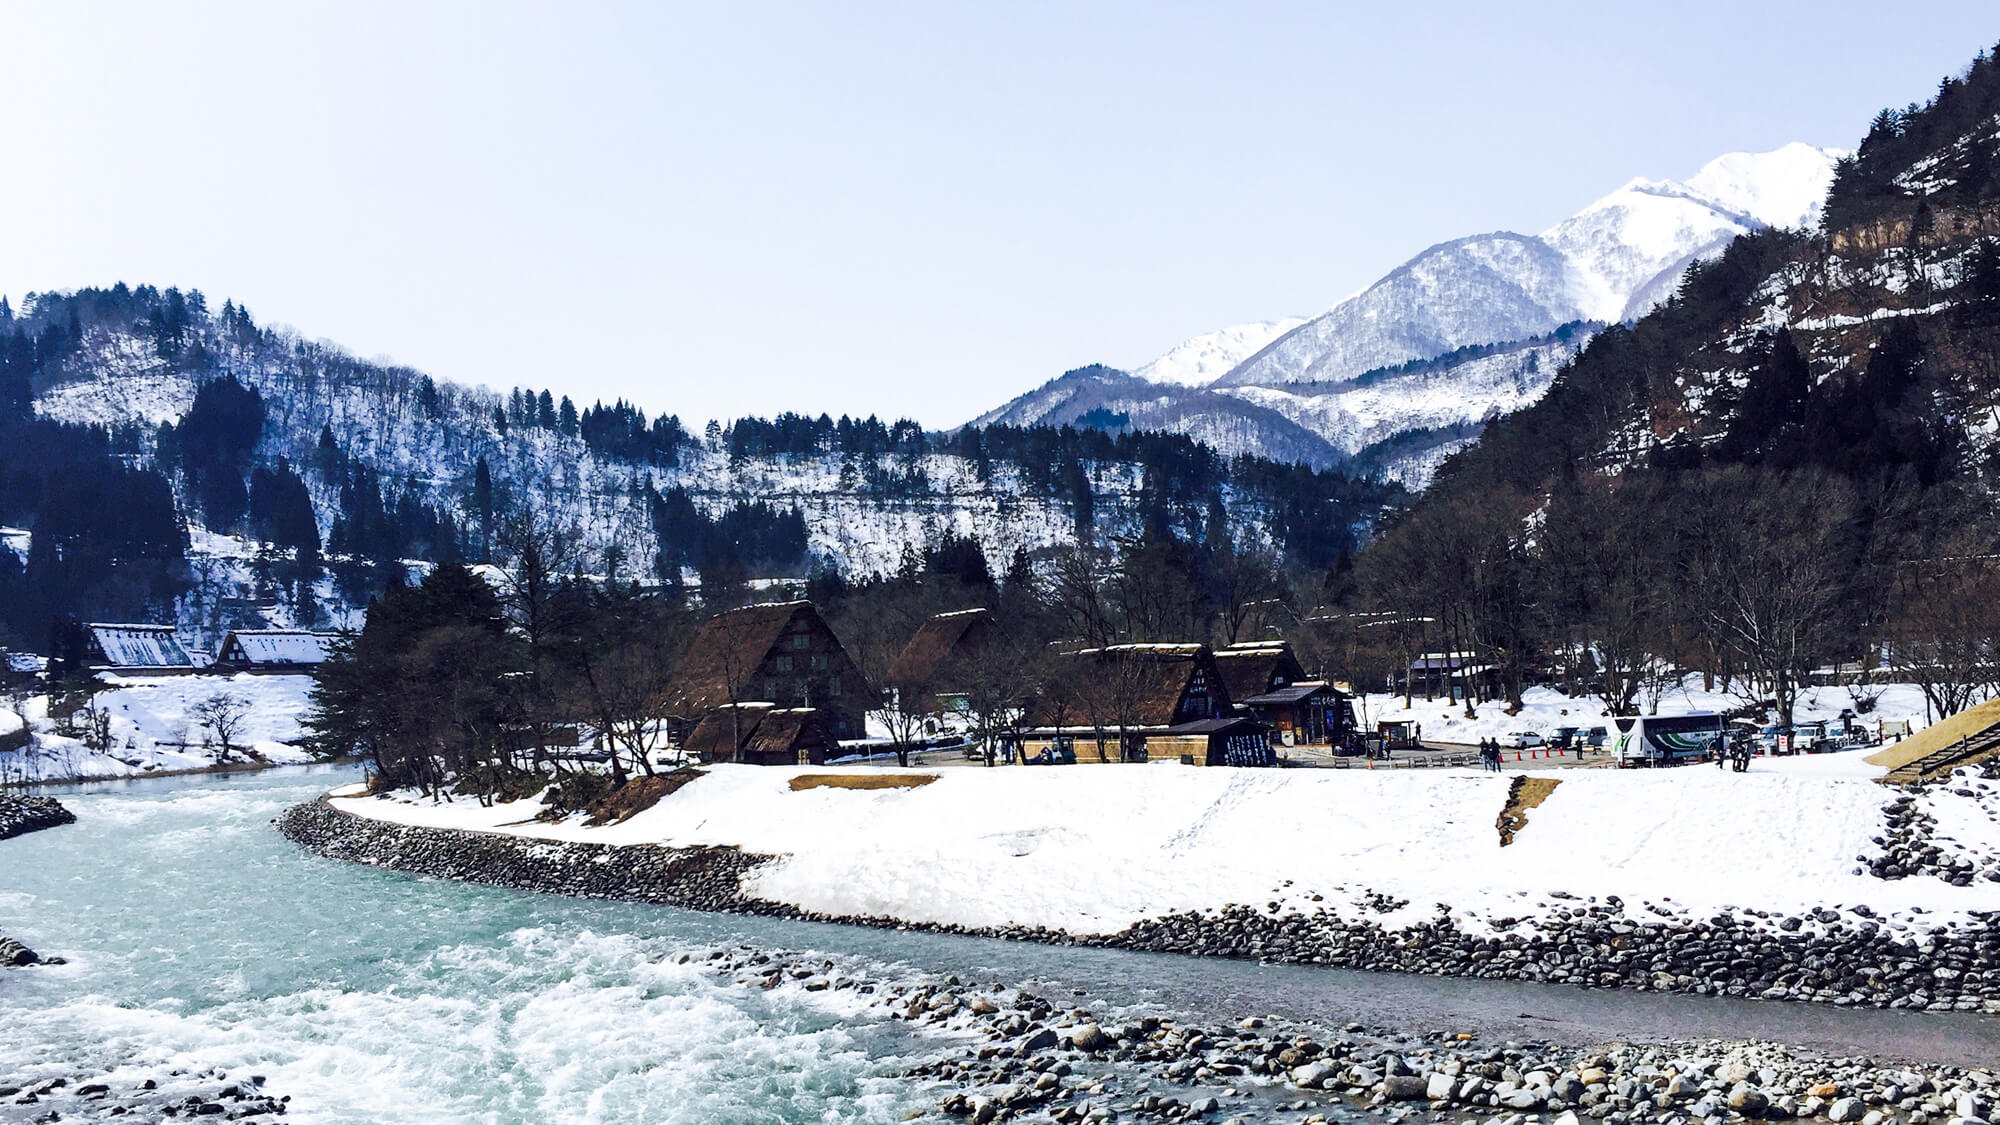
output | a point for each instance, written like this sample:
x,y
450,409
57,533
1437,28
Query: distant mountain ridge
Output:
x,y
1608,263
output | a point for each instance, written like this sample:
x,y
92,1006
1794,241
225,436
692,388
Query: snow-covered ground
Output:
x,y
1544,709
154,727
1092,849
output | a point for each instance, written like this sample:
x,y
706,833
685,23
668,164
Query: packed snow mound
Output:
x,y
1210,356
1095,848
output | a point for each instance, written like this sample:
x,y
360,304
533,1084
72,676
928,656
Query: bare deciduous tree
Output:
x,y
223,716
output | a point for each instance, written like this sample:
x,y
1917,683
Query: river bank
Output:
x,y
371,997
1830,888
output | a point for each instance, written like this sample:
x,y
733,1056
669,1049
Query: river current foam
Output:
x,y
198,938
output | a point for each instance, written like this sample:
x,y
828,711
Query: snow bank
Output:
x,y
1092,849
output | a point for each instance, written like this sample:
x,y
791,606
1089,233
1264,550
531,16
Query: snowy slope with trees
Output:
x,y
271,480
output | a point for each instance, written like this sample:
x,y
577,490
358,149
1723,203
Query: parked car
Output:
x,y
1566,737
1523,740
1052,756
1596,737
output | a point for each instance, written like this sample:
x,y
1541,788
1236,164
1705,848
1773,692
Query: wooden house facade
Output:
x,y
781,654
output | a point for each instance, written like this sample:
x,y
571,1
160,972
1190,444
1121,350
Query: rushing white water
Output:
x,y
197,937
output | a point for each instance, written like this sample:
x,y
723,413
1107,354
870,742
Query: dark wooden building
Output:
x,y
757,734
1309,712
782,654
1237,740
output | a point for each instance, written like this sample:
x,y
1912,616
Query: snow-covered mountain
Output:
x,y
1465,331
1212,355
1610,262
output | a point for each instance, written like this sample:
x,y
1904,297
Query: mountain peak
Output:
x,y
1781,188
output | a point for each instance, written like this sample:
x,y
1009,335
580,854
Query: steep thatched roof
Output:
x,y
934,643
1144,682
787,730
722,657
720,732
1256,667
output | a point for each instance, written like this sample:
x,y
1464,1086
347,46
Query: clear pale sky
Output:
x,y
911,209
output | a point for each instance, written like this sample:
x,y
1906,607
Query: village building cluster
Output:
x,y
772,685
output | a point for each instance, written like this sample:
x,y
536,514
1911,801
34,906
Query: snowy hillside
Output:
x,y
435,449
1340,377
157,724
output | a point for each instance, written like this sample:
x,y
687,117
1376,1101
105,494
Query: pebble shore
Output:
x,y
1027,1057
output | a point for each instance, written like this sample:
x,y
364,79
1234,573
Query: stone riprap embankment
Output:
x,y
1027,1057
1843,957
21,815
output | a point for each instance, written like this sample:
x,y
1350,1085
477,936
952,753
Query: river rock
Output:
x,y
1748,1100
1312,1075
1845,1110
1440,1087
1089,1037
1405,1088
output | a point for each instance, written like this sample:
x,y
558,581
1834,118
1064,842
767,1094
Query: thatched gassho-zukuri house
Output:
x,y
780,653
135,650
942,645
1255,667
1141,702
274,650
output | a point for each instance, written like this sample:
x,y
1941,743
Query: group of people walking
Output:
x,y
1735,758
1489,754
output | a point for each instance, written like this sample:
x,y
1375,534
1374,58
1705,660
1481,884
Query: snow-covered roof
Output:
x,y
139,646
277,646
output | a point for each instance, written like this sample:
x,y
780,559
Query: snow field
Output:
x,y
1093,849
150,715
1544,709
